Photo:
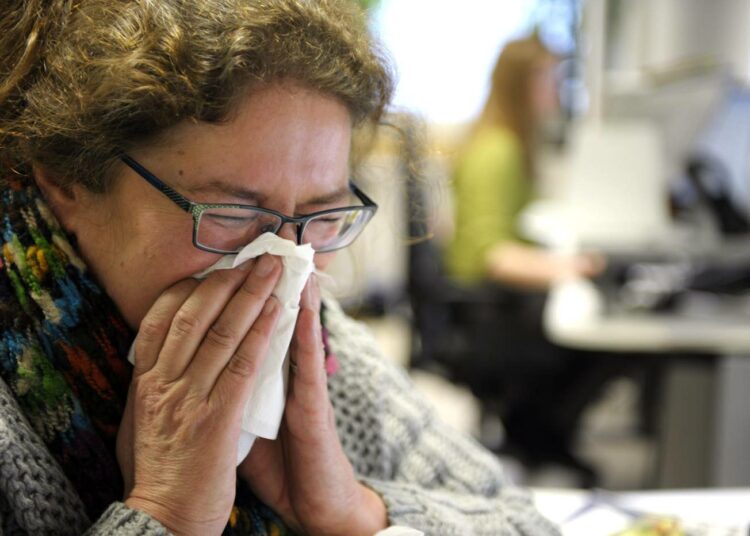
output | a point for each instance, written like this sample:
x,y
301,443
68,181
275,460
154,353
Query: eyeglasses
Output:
x,y
227,228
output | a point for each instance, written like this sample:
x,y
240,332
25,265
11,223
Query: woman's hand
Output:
x,y
197,353
534,268
304,475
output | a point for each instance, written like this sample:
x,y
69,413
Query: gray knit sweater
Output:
x,y
430,477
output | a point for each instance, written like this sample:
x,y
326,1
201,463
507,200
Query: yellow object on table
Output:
x,y
654,526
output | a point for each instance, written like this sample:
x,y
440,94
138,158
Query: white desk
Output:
x,y
575,317
706,422
581,513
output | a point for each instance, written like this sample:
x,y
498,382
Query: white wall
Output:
x,y
445,50
679,29
659,33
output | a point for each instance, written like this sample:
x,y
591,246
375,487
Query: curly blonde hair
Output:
x,y
81,79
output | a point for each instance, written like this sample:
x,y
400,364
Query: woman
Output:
x,y
117,117
496,173
543,388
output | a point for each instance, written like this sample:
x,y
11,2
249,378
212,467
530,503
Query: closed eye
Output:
x,y
227,220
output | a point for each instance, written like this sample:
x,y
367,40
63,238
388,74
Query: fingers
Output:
x,y
592,264
236,379
240,325
310,298
307,352
192,320
156,324
181,446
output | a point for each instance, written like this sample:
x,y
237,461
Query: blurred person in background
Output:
x,y
494,179
495,176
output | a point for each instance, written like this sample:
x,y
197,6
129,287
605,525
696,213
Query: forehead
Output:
x,y
279,137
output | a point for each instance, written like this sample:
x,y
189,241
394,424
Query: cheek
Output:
x,y
322,260
545,96
173,260
162,245
154,274
150,261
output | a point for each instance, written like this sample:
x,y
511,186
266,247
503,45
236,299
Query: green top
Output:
x,y
490,188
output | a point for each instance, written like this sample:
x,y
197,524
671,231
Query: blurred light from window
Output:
x,y
444,50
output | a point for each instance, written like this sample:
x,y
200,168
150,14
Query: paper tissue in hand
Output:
x,y
265,408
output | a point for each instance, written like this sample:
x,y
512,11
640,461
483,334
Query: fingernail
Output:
x,y
270,306
265,265
246,266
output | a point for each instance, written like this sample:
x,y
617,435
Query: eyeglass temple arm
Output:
x,y
362,196
186,205
175,196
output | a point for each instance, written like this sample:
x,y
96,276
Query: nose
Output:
x,y
289,231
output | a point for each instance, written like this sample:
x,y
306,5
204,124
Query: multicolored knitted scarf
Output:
x,y
62,352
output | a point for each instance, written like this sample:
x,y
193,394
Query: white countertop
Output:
x,y
574,317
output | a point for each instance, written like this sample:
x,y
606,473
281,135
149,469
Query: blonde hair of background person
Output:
x,y
495,176
226,102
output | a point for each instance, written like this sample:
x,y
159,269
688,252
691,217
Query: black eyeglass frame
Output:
x,y
196,209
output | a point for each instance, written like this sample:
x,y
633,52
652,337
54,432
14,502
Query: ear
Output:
x,y
63,201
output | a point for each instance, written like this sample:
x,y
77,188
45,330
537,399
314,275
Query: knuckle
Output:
x,y
187,410
152,327
221,337
185,323
151,395
262,329
243,364
156,398
252,289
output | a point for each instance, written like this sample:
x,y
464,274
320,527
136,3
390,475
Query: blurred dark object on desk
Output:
x,y
675,287
711,179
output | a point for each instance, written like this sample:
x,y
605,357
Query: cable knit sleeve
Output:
x,y
36,497
430,477
122,520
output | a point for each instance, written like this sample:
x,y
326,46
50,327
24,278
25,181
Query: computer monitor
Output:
x,y
725,145
680,108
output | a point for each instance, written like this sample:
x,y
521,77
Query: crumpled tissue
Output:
x,y
265,408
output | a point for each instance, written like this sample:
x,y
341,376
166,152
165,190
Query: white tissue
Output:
x,y
265,408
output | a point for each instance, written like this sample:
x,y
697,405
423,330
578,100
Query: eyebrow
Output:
x,y
238,192
337,195
254,197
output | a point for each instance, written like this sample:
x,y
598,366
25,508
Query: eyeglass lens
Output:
x,y
230,229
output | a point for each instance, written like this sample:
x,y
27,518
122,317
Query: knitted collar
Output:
x,y
62,353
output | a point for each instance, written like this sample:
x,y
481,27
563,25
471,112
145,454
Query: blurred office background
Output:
x,y
648,162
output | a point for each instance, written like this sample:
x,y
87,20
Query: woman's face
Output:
x,y
286,149
544,99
